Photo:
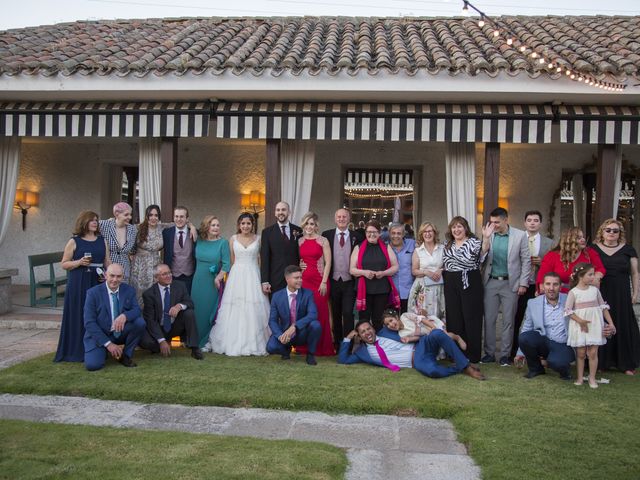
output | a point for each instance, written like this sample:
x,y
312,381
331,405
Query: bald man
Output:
x,y
112,320
278,249
342,288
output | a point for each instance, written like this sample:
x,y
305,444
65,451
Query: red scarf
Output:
x,y
361,298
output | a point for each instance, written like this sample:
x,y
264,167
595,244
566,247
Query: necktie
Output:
x,y
532,246
292,310
342,239
383,358
115,303
284,232
166,319
181,239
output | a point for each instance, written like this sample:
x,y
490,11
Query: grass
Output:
x,y
37,451
513,427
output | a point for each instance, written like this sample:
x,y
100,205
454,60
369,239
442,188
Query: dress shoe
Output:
x,y
126,361
534,373
473,373
196,353
488,359
311,359
565,376
286,355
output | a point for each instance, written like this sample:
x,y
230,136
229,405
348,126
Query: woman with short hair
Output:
x,y
120,235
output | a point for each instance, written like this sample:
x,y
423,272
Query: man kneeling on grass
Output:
x,y
394,355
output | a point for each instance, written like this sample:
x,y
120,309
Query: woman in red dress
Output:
x,y
315,257
571,250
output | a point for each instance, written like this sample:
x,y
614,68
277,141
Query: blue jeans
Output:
x,y
427,348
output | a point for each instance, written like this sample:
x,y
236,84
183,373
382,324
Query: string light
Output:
x,y
510,39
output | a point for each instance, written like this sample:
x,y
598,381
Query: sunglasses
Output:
x,y
612,230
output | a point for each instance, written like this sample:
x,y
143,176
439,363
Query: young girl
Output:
x,y
586,308
411,326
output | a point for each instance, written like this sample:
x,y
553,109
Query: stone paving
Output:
x,y
377,446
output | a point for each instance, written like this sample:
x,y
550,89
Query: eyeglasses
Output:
x,y
372,232
612,230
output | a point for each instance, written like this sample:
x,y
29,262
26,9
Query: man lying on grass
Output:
x,y
394,355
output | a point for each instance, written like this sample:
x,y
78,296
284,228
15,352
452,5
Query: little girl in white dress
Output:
x,y
587,311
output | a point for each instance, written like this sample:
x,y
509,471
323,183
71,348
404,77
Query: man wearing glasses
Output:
x,y
168,312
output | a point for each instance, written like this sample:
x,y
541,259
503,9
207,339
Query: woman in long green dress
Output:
x,y
213,261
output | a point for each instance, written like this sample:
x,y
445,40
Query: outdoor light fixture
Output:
x,y
253,202
24,201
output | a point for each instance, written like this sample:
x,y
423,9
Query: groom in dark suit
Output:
x,y
343,296
168,312
294,318
278,248
112,321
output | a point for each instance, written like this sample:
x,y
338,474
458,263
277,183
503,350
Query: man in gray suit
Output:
x,y
506,275
538,248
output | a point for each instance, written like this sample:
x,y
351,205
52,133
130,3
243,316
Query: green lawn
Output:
x,y
513,427
37,451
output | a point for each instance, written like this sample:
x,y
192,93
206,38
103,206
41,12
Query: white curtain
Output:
x,y
617,169
297,161
149,173
9,169
579,202
461,181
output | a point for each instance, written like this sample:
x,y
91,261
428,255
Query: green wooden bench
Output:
x,y
51,282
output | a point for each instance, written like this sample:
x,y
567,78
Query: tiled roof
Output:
x,y
589,45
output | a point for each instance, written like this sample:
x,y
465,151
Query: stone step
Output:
x,y
30,321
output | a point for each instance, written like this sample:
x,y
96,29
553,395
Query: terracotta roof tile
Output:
x,y
595,45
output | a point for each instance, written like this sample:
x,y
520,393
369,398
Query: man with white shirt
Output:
x,y
538,248
394,355
112,321
278,248
179,248
342,241
168,312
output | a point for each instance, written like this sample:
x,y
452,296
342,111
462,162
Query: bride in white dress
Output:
x,y
242,325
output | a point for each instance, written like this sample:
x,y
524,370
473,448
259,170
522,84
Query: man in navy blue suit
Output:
x,y
112,320
294,318
394,355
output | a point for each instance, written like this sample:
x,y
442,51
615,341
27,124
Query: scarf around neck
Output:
x,y
361,297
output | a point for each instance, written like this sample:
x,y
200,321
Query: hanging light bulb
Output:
x,y
542,61
496,33
580,78
523,48
509,41
550,66
534,55
568,72
465,8
572,76
559,69
481,23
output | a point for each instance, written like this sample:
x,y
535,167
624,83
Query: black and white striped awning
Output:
x,y
599,124
386,122
105,119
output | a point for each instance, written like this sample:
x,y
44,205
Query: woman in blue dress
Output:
x,y
84,252
213,261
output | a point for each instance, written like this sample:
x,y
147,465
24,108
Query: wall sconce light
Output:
x,y
253,202
24,201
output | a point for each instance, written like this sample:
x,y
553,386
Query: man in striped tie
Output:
x,y
386,352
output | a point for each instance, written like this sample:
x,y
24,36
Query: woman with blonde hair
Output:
x,y
426,266
213,261
84,253
315,254
120,235
622,351
571,250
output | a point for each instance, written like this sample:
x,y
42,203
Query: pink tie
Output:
x,y
292,310
383,358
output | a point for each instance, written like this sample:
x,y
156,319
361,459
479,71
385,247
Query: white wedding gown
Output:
x,y
242,326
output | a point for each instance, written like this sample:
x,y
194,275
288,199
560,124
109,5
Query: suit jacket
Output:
x,y
354,239
279,317
546,244
97,313
276,254
168,237
518,260
534,315
153,310
361,354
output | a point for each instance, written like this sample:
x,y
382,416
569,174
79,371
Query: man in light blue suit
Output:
x,y
112,320
385,351
293,326
544,331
